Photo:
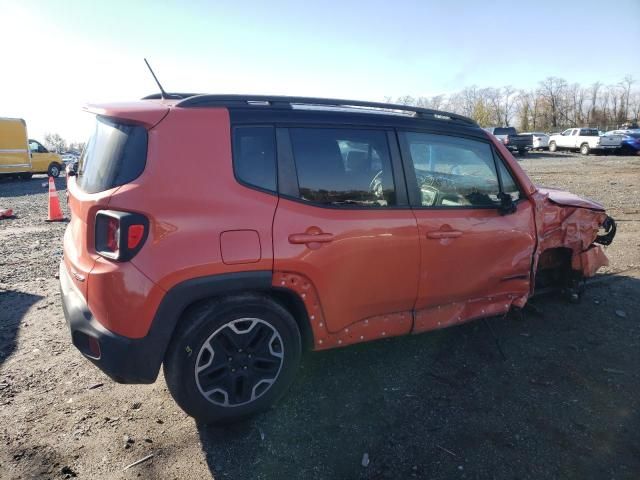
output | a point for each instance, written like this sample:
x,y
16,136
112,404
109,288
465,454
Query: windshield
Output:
x,y
115,154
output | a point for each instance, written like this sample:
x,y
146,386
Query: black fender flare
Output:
x,y
186,293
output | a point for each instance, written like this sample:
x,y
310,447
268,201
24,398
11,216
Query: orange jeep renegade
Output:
x,y
222,235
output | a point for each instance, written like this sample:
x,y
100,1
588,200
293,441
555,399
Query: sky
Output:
x,y
60,55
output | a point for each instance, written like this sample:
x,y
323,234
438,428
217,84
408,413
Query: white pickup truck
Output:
x,y
585,140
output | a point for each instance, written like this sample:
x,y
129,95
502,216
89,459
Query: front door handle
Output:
x,y
299,238
438,234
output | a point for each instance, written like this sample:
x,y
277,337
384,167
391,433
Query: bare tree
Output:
x,y
626,84
77,146
492,98
55,142
509,98
524,101
634,106
552,90
593,92
553,105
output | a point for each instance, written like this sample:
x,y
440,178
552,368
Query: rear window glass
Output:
x,y
504,131
254,156
116,154
589,132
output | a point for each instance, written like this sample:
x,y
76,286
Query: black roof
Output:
x,y
189,100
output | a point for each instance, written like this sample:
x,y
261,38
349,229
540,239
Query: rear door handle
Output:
x,y
299,238
438,234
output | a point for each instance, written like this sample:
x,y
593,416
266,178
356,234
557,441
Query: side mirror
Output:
x,y
507,204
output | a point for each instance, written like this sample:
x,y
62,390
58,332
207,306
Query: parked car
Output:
x,y
630,144
70,161
311,224
539,140
509,137
585,140
22,157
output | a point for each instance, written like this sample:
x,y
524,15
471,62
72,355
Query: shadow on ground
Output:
x,y
13,306
563,403
13,187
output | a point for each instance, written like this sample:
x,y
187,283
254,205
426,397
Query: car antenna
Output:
x,y
163,94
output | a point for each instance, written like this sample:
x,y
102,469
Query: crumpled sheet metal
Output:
x,y
571,227
372,328
558,226
460,312
590,261
393,324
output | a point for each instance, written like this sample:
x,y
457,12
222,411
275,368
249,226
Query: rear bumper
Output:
x,y
125,360
138,360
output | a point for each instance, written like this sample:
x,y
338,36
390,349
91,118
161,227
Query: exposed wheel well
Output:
x,y
287,298
554,270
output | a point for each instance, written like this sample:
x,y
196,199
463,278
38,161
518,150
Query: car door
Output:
x,y
475,258
564,140
574,139
40,156
344,228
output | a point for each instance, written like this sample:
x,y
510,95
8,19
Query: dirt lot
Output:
x,y
564,402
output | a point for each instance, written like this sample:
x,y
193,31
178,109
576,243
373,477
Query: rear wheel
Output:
x,y
522,152
54,170
232,357
584,149
553,147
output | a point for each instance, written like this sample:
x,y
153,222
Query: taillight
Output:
x,y
113,232
134,236
120,235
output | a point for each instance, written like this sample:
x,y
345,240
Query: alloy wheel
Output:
x,y
239,362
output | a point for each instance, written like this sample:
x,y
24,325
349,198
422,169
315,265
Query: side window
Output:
x,y
509,185
575,132
33,146
254,157
343,167
452,171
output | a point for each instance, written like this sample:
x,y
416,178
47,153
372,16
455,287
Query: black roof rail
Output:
x,y
174,96
287,102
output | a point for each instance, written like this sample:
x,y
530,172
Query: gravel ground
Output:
x,y
563,401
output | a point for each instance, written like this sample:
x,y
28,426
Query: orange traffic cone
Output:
x,y
55,212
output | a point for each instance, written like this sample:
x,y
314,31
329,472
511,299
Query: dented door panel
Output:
x,y
481,272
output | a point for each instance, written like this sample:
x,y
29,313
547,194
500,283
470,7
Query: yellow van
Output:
x,y
21,157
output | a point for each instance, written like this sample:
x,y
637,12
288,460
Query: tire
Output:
x,y
584,149
522,153
245,327
54,170
553,147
